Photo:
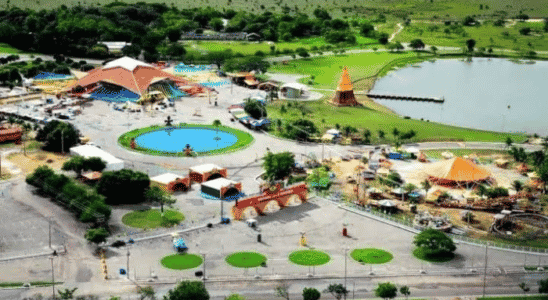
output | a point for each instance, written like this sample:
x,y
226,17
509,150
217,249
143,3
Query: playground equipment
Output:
x,y
303,241
178,243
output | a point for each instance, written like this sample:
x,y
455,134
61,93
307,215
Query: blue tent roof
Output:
x,y
179,243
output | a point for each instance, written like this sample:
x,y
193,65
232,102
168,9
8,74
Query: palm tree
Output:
x,y
168,121
26,128
509,142
217,123
426,185
517,185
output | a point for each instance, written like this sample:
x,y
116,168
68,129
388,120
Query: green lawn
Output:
x,y
371,256
418,253
181,261
5,48
325,116
309,257
245,259
462,152
485,35
328,69
244,139
151,218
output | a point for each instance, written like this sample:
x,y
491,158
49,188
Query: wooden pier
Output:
x,y
408,98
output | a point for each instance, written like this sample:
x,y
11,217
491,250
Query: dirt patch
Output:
x,y
28,163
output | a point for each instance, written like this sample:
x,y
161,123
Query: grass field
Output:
x,y
309,257
151,218
371,256
5,48
326,116
327,70
181,261
418,253
527,297
462,152
417,9
485,35
245,259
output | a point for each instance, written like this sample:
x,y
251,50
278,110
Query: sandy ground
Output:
x,y
33,160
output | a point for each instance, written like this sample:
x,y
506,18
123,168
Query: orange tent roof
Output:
x,y
345,84
457,169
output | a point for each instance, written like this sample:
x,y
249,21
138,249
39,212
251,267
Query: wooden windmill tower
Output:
x,y
344,96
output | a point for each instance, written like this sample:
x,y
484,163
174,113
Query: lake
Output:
x,y
490,94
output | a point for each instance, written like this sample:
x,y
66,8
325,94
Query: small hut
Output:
x,y
344,95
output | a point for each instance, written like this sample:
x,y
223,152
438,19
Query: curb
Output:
x,y
59,251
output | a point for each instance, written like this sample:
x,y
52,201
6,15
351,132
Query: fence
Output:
x,y
409,226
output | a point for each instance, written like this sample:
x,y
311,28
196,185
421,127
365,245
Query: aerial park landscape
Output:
x,y
227,149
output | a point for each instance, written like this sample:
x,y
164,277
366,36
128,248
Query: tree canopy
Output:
x,y
278,166
434,242
194,290
311,294
386,290
124,186
337,290
58,136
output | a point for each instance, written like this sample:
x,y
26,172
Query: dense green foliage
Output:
x,y
311,294
97,235
84,202
278,166
78,164
58,136
157,195
154,28
386,290
337,290
434,243
255,109
194,290
124,186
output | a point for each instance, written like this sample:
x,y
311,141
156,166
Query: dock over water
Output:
x,y
408,98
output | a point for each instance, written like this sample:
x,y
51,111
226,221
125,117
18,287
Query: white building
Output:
x,y
87,151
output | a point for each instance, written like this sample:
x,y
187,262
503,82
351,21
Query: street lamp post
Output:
x,y
204,275
127,271
345,251
485,269
52,276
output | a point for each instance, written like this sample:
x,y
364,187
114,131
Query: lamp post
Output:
x,y
204,276
345,251
127,270
485,269
52,274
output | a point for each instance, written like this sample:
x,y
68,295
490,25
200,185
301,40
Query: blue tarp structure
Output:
x,y
215,84
51,76
414,195
109,95
230,198
181,68
179,245
394,155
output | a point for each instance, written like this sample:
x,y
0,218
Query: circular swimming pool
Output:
x,y
176,139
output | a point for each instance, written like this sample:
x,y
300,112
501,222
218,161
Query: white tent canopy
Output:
x,y
205,168
87,151
165,178
387,203
333,131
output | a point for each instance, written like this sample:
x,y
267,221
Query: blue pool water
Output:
x,y
175,140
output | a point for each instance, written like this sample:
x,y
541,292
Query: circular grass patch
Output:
x,y
181,261
245,259
309,257
244,139
152,218
371,256
419,253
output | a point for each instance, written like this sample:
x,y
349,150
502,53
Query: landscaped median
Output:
x,y
371,256
246,259
182,261
244,139
309,257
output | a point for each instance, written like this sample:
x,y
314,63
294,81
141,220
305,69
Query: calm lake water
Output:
x,y
494,94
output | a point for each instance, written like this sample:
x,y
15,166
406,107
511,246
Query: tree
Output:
x,y
543,286
367,29
157,195
278,166
301,129
282,290
404,290
311,294
94,164
509,142
26,128
97,235
434,243
517,185
381,134
248,64
537,157
217,123
417,44
525,31
469,21
409,187
522,17
426,185
524,287
396,133
386,290
147,293
434,49
58,136
194,290
518,154
216,24
124,186
337,290
255,109
302,52
383,37
347,129
542,171
219,57
399,46
67,293
75,163
367,136
470,44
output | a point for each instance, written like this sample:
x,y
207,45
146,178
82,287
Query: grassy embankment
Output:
x,y
327,71
416,9
486,36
